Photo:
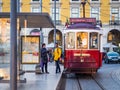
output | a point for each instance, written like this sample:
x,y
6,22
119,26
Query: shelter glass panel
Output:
x,y
70,40
5,48
82,40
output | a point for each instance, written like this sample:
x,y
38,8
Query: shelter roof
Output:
x,y
34,20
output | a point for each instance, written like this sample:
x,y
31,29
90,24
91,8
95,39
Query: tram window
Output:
x,y
82,40
70,40
93,40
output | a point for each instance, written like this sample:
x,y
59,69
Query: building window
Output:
x,y
75,12
57,13
114,0
56,0
95,13
74,0
35,9
35,0
115,13
0,8
94,0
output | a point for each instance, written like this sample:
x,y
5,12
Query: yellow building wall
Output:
x,y
6,6
65,10
105,11
87,9
46,6
26,7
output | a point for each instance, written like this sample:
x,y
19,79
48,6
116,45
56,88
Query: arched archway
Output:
x,y
114,37
58,37
35,32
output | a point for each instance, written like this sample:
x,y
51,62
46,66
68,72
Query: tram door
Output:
x,y
30,50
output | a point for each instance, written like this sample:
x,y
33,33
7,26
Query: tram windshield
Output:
x,y
93,40
82,40
70,40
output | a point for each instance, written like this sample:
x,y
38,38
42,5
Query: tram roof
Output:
x,y
83,25
34,20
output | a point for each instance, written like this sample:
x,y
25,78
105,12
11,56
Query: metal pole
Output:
x,y
55,21
13,45
18,5
41,38
41,41
41,6
83,4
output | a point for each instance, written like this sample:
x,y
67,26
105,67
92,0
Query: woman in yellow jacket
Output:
x,y
57,55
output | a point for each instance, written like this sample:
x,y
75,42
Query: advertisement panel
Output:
x,y
30,49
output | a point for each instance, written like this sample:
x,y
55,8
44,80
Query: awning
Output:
x,y
34,20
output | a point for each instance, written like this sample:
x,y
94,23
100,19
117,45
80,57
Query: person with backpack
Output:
x,y
57,56
44,58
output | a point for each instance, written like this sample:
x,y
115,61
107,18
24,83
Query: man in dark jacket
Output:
x,y
44,58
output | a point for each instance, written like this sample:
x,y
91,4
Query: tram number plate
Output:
x,y
81,60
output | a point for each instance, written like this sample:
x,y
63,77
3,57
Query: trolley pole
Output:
x,y
13,45
55,21
83,4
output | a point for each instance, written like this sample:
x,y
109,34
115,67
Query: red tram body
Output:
x,y
82,52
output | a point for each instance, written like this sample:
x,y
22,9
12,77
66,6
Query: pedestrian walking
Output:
x,y
44,58
57,55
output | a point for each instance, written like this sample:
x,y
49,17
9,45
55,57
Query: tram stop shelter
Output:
x,y
30,20
34,20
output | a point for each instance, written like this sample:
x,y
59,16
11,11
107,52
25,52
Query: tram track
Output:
x,y
79,83
98,83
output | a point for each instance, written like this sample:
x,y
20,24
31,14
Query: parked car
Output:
x,y
112,57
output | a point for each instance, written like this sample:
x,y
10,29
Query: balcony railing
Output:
x,y
99,22
58,22
114,22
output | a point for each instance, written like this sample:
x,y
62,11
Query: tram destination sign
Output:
x,y
81,20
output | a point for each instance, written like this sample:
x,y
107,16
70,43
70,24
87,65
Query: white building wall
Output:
x,y
106,29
